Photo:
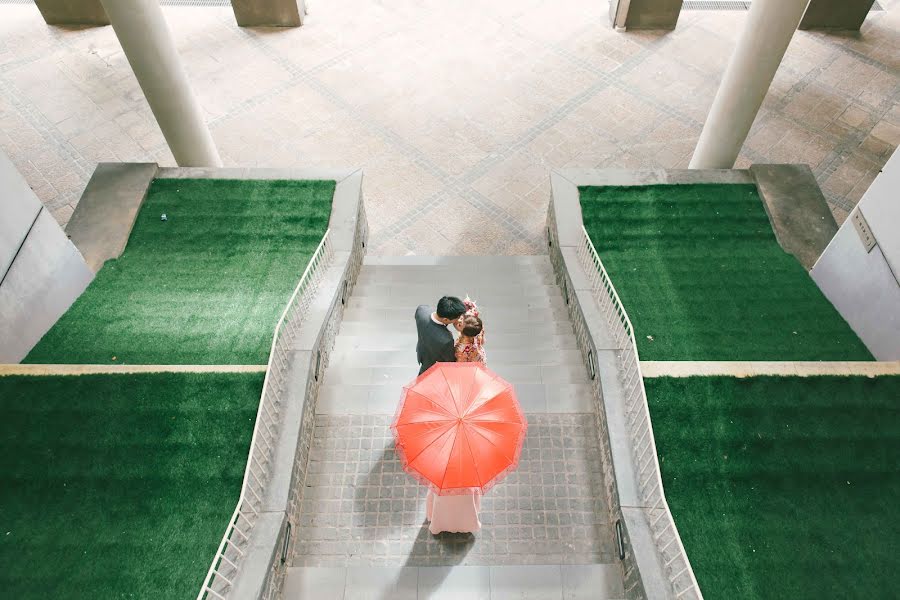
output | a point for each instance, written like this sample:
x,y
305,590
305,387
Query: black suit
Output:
x,y
435,340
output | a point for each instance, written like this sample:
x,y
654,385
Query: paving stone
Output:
x,y
574,92
523,523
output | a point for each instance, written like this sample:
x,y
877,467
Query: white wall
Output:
x,y
19,206
863,286
42,271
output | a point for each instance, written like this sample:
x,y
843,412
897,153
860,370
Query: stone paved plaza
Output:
x,y
360,507
451,107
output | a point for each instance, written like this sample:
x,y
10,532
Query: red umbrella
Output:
x,y
459,428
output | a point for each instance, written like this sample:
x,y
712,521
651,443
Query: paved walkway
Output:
x,y
451,107
360,507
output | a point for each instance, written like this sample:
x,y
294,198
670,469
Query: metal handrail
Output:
x,y
225,564
650,487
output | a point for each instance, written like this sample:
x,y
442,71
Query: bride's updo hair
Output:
x,y
471,325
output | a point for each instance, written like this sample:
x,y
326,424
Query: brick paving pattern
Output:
x,y
451,107
360,508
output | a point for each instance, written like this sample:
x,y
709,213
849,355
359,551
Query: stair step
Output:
x,y
412,261
370,399
489,312
499,341
385,297
468,582
479,290
537,329
342,374
407,357
461,274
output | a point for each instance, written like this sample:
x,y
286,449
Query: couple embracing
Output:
x,y
436,343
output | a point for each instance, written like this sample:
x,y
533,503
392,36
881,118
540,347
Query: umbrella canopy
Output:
x,y
459,428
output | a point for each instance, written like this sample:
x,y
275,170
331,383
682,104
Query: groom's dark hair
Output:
x,y
450,307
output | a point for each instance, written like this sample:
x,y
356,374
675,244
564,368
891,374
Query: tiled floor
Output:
x,y
360,507
456,110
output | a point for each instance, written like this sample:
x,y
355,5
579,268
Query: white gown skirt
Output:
x,y
455,514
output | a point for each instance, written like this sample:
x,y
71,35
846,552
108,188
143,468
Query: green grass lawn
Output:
x,y
783,487
119,486
207,286
702,276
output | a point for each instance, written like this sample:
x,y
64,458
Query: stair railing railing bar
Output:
x,y
226,562
643,449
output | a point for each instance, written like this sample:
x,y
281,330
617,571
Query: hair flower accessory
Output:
x,y
471,307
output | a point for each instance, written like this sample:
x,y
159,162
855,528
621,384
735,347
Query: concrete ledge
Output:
x,y
800,217
269,13
677,368
836,14
20,211
646,14
36,369
629,177
252,173
645,575
46,276
261,570
72,12
105,215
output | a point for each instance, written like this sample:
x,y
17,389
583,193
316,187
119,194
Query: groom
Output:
x,y
435,340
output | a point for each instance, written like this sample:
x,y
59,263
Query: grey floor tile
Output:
x,y
570,398
592,582
532,582
321,583
454,583
381,583
363,509
532,397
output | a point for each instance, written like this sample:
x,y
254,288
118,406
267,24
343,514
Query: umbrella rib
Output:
x,y
433,403
489,441
450,389
410,461
497,410
473,407
474,462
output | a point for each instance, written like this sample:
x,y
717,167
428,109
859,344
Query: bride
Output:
x,y
470,345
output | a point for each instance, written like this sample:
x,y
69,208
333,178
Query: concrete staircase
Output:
x,y
361,531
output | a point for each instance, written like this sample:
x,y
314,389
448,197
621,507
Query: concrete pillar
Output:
x,y
836,14
148,45
271,13
72,12
769,29
644,14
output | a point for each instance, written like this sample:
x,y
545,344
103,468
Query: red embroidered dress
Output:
x,y
470,349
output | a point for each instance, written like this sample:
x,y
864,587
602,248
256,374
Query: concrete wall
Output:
x,y
42,272
864,286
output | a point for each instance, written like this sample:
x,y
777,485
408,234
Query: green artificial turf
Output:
x,y
119,486
783,487
207,286
702,276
